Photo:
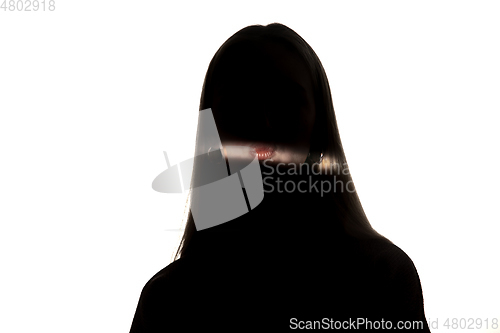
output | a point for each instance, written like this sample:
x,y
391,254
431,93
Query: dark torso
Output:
x,y
370,279
288,258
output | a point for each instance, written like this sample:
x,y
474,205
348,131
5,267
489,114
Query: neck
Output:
x,y
283,217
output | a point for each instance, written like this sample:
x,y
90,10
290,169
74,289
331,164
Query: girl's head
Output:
x,y
268,89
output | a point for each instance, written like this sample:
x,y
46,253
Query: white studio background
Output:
x,y
92,93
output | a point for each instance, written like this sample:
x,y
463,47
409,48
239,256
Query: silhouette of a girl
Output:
x,y
303,256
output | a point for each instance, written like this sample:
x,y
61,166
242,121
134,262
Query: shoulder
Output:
x,y
387,257
166,272
159,300
391,267
165,278
185,289
396,277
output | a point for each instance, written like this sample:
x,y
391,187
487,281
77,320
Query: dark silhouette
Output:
x,y
305,254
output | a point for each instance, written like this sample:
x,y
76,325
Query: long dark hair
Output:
x,y
326,137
